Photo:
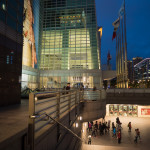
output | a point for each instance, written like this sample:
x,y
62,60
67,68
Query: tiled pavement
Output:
x,y
107,142
13,121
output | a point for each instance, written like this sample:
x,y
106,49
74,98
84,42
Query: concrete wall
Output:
x,y
93,110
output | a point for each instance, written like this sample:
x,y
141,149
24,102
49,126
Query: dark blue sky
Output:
x,y
137,24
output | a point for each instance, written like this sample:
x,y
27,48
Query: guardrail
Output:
x,y
128,91
52,104
94,95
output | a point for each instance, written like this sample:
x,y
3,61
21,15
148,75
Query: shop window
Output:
x,y
125,111
134,111
130,110
120,110
111,109
115,110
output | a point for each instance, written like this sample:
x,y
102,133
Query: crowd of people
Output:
x,y
101,128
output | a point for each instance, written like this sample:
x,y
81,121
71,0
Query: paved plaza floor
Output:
x,y
107,142
13,122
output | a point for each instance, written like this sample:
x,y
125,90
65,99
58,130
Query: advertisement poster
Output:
x,y
29,50
145,111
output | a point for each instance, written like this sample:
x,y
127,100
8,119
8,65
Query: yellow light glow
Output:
x,y
100,30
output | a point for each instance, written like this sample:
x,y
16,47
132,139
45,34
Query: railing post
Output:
x,y
58,115
75,103
31,122
58,106
69,105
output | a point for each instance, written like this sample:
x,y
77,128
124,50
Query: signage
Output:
x,y
145,111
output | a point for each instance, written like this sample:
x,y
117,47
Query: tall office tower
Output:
x,y
135,61
69,49
11,40
130,70
142,70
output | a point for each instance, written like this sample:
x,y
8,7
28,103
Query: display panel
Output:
x,y
29,50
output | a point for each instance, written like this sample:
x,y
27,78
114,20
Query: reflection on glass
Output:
x,y
115,110
120,110
111,109
135,111
130,110
125,111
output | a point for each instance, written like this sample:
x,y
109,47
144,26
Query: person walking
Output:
x,y
129,126
90,126
89,139
119,137
137,135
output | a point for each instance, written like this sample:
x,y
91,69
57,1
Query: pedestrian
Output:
x,y
113,126
108,125
138,134
89,139
90,126
96,127
67,88
119,137
93,131
129,126
114,132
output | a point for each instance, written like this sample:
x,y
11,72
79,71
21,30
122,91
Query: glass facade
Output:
x,y
69,43
11,42
11,13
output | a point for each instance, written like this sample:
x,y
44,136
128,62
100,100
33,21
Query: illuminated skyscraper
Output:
x,y
69,50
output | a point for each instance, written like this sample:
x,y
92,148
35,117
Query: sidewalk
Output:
x,y
106,141
13,121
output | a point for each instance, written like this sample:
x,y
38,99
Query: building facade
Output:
x,y
69,50
142,70
11,41
135,61
130,71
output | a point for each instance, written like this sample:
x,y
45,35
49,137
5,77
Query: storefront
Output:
x,y
127,110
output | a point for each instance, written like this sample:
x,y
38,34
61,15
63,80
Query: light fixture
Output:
x,y
80,118
76,125
36,99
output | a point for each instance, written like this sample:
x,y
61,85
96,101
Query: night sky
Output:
x,y
137,24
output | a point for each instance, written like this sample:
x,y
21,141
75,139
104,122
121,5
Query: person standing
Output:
x,y
129,126
119,137
114,132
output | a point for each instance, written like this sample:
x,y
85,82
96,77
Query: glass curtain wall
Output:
x,y
68,42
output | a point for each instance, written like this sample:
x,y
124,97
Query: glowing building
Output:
x,y
69,48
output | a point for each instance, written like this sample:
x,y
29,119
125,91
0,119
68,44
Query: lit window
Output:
x,y
3,6
7,59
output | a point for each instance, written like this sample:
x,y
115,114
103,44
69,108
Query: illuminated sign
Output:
x,y
145,111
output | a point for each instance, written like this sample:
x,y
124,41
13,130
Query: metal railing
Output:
x,y
45,108
94,95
